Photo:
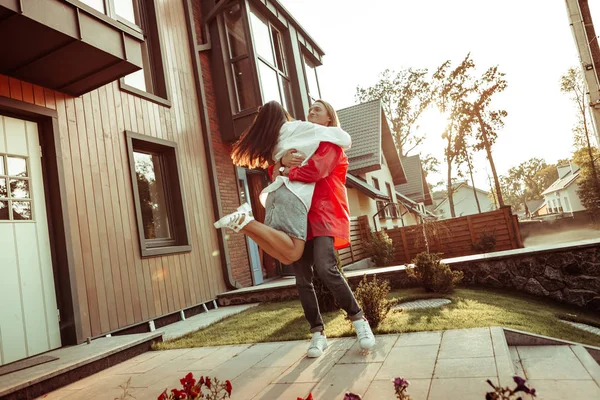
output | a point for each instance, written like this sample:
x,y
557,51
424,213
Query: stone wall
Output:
x,y
571,275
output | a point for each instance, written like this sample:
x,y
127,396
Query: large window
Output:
x,y
270,58
312,82
158,197
149,82
239,60
15,194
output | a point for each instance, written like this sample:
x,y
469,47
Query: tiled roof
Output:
x,y
371,135
416,188
364,187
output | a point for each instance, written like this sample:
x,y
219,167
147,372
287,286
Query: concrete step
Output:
x,y
73,364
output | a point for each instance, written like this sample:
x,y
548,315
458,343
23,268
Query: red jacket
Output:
x,y
329,214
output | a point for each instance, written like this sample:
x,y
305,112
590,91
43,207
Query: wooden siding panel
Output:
x,y
15,89
75,127
4,86
27,89
74,240
101,256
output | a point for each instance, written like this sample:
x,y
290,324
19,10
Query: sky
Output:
x,y
530,41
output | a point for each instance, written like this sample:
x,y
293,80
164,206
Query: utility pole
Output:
x,y
586,41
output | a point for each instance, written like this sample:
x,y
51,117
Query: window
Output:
x,y
162,225
239,61
271,61
15,192
376,183
121,10
312,82
390,211
150,81
380,206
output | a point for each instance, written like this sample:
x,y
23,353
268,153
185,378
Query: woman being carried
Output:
x,y
271,135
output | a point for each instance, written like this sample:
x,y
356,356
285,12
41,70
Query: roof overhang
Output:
x,y
65,45
364,187
390,153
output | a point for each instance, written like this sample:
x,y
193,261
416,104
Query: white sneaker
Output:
x,y
236,220
318,344
366,339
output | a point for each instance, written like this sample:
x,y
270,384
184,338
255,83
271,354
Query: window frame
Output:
x,y
9,199
174,196
307,59
281,74
153,51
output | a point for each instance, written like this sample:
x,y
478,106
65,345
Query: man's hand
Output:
x,y
292,158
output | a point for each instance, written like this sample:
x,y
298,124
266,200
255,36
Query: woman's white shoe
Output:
x,y
236,220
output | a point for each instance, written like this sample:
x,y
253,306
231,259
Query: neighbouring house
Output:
x,y
561,196
374,166
116,124
415,192
534,208
464,201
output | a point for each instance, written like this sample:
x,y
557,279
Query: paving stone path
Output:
x,y
422,304
585,327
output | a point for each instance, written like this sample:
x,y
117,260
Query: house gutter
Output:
x,y
230,282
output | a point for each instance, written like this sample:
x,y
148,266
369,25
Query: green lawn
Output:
x,y
470,308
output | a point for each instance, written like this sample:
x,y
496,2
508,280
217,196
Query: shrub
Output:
x,y
327,301
434,275
381,248
372,297
486,242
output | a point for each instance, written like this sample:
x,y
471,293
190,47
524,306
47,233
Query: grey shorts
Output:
x,y
286,212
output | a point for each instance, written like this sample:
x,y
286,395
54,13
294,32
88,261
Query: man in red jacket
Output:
x,y
328,230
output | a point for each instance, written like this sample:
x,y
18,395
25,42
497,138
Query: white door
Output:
x,y
255,263
28,310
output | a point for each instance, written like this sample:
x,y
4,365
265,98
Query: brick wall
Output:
x,y
236,243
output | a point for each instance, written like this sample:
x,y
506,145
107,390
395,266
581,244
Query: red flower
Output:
x,y
195,391
163,395
308,398
201,381
228,387
207,382
179,394
188,382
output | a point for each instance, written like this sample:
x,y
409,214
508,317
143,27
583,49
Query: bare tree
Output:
x,y
452,88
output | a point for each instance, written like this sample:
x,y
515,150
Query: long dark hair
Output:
x,y
255,147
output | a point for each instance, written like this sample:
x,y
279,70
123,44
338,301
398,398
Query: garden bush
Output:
x,y
434,275
381,249
372,297
486,242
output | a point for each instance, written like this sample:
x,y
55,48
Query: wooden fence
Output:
x,y
359,234
455,237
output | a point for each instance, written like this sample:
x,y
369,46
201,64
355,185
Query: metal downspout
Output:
x,y
230,282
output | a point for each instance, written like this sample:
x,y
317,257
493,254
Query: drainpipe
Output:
x,y
230,282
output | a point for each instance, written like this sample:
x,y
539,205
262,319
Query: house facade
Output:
x,y
374,167
116,123
464,202
561,196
